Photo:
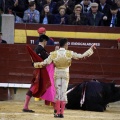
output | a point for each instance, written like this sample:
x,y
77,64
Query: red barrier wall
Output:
x,y
16,67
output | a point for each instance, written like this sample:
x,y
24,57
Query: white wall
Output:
x,y
8,28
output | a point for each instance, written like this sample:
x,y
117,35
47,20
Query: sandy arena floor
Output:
x,y
12,110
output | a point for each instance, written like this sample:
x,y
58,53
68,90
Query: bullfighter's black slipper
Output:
x,y
57,116
25,110
61,116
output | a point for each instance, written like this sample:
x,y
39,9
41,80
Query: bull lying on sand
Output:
x,y
92,96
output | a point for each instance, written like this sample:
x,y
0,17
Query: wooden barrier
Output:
x,y
15,64
3,94
104,65
104,37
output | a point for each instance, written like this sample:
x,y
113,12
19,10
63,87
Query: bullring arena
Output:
x,y
12,110
16,69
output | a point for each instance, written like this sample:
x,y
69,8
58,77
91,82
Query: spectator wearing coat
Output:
x,y
85,5
69,4
39,4
31,15
118,4
42,31
61,17
16,7
51,4
46,17
95,18
2,6
77,18
113,18
104,7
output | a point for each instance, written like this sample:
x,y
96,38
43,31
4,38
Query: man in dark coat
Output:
x,y
113,18
2,6
42,31
17,7
104,7
95,18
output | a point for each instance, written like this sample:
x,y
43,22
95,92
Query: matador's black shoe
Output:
x,y
55,111
25,110
57,115
61,116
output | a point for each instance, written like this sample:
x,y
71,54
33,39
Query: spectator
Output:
x,y
85,6
77,18
16,7
69,4
31,1
2,6
42,31
104,7
39,4
110,2
51,5
77,1
31,15
118,4
94,18
2,41
46,17
55,0
113,18
61,17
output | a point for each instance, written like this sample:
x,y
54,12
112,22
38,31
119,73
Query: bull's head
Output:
x,y
111,92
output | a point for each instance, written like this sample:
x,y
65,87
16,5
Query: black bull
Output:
x,y
92,96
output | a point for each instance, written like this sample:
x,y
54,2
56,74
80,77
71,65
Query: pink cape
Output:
x,y
50,92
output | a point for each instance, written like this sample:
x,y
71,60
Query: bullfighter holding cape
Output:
x,y
42,83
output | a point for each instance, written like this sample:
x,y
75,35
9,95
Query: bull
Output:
x,y
92,96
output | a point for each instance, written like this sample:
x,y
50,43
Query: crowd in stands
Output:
x,y
67,12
